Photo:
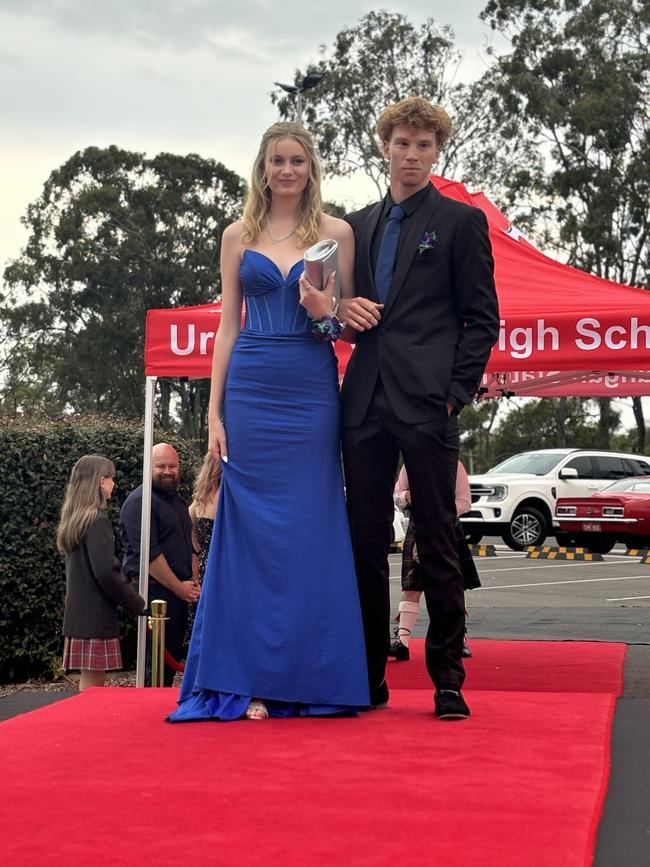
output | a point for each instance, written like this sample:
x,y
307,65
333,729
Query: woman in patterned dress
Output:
x,y
203,508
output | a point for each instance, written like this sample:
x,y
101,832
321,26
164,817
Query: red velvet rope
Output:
x,y
170,662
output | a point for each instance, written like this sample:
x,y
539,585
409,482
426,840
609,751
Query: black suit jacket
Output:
x,y
440,319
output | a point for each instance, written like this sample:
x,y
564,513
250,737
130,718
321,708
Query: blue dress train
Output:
x,y
279,616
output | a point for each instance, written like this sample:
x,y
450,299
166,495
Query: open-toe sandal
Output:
x,y
257,710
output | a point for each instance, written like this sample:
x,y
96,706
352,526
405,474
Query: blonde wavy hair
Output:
x,y
418,112
207,482
83,497
258,200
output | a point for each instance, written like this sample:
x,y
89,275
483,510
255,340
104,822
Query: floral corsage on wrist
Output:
x,y
328,328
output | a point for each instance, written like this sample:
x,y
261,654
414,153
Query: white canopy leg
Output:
x,y
145,522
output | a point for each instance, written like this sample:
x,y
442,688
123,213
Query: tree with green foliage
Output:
x,y
578,81
545,423
385,58
476,424
112,235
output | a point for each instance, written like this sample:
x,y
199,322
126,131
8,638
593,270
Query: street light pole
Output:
x,y
299,107
309,81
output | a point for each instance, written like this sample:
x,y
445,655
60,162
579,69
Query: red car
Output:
x,y
618,513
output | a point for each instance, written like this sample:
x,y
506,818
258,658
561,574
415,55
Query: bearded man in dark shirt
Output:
x,y
171,557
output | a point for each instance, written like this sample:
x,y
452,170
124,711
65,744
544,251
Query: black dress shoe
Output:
x,y
399,650
450,704
379,695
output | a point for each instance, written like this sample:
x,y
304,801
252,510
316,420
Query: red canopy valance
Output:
x,y
563,332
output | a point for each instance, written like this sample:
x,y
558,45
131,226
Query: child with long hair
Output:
x,y
95,583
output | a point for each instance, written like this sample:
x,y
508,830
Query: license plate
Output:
x,y
590,527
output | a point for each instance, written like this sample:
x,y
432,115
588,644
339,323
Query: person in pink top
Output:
x,y
412,586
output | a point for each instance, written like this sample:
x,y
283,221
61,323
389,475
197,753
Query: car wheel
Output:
x,y
528,527
473,538
598,543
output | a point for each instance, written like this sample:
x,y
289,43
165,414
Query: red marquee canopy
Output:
x,y
563,331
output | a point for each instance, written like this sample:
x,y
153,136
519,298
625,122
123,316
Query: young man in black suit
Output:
x,y
424,321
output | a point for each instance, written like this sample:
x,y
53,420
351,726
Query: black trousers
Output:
x,y
371,456
175,626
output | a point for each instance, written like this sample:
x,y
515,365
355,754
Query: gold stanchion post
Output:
x,y
157,624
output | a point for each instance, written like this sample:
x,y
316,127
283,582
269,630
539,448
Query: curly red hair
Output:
x,y
417,112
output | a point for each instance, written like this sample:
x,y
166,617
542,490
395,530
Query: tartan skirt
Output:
x,y
92,654
410,565
411,573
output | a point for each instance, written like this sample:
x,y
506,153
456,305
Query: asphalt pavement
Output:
x,y
554,600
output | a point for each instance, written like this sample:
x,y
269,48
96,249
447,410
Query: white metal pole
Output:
x,y
145,522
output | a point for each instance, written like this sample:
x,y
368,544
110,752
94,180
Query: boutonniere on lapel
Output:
x,y
429,242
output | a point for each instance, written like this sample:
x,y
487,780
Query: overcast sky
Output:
x,y
166,75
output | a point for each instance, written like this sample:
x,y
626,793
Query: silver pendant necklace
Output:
x,y
276,239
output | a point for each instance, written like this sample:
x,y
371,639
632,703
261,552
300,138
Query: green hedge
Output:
x,y
36,457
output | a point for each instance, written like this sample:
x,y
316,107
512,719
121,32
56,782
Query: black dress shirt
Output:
x,y
170,534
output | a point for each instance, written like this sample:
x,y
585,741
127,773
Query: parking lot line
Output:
x,y
551,583
554,564
626,598
521,556
622,554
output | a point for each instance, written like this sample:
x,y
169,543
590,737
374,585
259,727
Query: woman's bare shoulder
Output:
x,y
231,240
333,227
232,232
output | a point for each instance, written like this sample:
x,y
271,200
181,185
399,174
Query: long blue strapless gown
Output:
x,y
279,616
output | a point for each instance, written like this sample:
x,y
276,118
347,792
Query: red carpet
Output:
x,y
99,779
523,666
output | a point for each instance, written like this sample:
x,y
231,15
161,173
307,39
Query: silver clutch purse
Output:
x,y
320,260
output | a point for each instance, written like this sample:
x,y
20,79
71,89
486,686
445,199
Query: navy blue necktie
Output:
x,y
388,252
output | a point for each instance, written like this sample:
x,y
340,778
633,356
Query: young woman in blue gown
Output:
x,y
278,629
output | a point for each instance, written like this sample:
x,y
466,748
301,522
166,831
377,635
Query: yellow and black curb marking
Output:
x,y
637,552
483,550
548,552
645,560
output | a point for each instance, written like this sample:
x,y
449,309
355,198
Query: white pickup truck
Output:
x,y
516,499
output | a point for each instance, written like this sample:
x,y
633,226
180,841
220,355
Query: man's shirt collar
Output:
x,y
409,205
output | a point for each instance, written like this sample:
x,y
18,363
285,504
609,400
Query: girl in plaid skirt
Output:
x,y
412,586
95,583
